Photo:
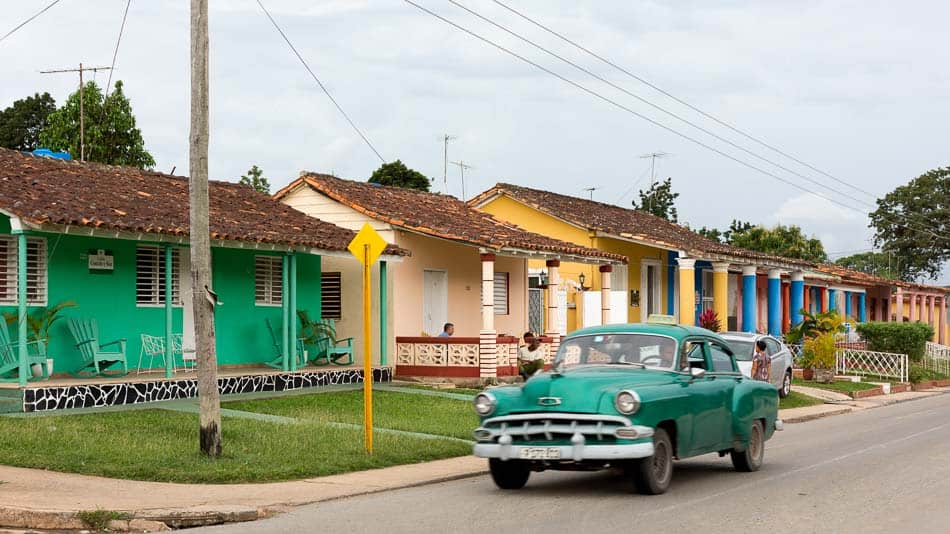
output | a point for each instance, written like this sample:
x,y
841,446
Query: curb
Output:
x,y
818,415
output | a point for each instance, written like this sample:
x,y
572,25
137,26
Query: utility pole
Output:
x,y
82,101
203,298
462,166
445,160
591,191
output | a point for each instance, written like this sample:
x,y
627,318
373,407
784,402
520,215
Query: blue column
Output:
x,y
847,304
698,287
796,297
862,310
832,301
670,282
749,308
775,302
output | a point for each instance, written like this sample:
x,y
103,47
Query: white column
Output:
x,y
487,337
929,306
899,305
605,271
913,307
554,281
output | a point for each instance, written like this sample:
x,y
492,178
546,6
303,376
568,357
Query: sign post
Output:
x,y
366,247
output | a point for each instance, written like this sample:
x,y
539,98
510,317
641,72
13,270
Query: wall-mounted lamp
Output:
x,y
543,280
581,278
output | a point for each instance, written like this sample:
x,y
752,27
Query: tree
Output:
x,y
254,178
711,233
398,175
780,240
21,123
912,223
111,134
876,263
659,200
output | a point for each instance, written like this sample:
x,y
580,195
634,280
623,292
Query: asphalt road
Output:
x,y
880,470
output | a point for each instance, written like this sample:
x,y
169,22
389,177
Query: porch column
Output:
x,y
823,296
913,308
292,310
888,306
786,307
284,307
833,300
21,306
721,292
941,321
687,278
383,315
805,300
749,299
169,352
774,302
847,304
554,280
899,304
862,308
605,271
931,315
487,337
797,297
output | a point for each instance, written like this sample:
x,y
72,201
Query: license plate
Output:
x,y
540,453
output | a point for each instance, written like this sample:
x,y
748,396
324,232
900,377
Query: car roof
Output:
x,y
678,332
737,335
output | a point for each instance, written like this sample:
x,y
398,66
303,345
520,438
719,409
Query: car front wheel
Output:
x,y
786,385
652,475
509,475
751,458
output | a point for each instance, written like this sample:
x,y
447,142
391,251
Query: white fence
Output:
x,y
937,358
867,362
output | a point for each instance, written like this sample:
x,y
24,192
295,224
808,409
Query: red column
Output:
x,y
806,301
786,307
824,299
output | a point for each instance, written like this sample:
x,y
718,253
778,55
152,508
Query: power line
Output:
x,y
115,54
683,102
640,115
658,107
27,21
314,76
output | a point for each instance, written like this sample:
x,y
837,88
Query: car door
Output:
x,y
726,374
779,357
709,398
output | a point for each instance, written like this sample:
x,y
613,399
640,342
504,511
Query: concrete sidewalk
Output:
x,y
37,499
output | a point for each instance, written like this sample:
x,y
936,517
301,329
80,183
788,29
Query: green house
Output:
x,y
107,238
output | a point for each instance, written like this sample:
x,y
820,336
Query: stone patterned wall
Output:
x,y
96,395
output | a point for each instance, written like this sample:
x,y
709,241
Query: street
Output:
x,y
880,470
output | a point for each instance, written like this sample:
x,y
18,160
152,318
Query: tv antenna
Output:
x,y
653,156
445,160
462,168
591,191
82,120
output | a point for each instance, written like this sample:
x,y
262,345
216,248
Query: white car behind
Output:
x,y
743,346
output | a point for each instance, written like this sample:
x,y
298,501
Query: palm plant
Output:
x,y
312,331
814,325
41,321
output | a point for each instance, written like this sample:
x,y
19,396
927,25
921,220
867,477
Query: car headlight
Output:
x,y
627,402
485,403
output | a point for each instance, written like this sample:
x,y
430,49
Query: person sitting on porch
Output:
x,y
530,357
447,330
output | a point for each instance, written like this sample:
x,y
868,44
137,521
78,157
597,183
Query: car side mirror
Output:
x,y
697,372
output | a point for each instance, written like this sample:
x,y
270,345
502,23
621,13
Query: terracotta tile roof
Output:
x,y
43,190
629,223
440,216
860,277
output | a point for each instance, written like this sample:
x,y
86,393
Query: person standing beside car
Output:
x,y
761,362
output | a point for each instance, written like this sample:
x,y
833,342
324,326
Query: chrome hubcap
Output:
x,y
661,463
755,444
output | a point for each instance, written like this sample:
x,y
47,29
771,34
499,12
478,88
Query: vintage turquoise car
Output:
x,y
634,396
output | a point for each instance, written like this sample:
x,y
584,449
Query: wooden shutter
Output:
x,y
501,293
268,280
150,276
331,295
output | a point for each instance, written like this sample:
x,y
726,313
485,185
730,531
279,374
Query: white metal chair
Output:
x,y
154,347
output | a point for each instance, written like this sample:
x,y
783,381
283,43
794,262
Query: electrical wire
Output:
x,y
319,83
27,21
115,54
681,101
637,114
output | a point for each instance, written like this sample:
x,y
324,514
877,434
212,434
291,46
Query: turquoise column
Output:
x,y
832,301
292,312
21,306
797,297
670,283
847,304
775,302
749,304
862,308
383,315
284,308
169,353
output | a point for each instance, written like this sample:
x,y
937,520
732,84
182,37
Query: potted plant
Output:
x,y
38,326
709,320
818,358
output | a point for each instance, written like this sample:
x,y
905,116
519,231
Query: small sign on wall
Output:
x,y
101,261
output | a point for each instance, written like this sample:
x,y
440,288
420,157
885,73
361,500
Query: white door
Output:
x,y
188,343
650,283
618,307
435,301
592,310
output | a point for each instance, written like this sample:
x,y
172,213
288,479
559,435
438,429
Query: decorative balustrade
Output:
x,y
871,363
459,356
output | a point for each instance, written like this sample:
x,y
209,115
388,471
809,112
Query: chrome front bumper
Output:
x,y
779,425
576,452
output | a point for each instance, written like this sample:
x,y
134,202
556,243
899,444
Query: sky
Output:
x,y
856,89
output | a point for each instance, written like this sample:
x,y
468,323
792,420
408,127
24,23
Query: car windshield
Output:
x,y
742,349
642,350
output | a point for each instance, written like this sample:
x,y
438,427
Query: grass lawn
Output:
x,y
163,446
398,411
797,400
843,387
460,391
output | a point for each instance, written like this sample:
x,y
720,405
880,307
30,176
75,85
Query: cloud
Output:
x,y
808,209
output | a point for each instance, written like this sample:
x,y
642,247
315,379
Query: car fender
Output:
x,y
751,400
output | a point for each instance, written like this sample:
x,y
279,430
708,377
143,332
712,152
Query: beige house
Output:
x,y
466,267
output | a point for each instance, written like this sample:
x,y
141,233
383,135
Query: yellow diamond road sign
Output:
x,y
367,245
